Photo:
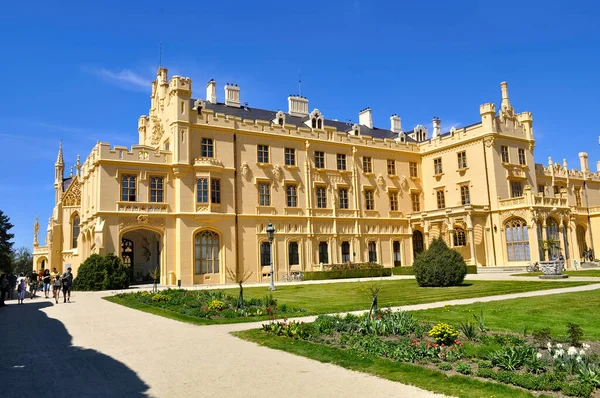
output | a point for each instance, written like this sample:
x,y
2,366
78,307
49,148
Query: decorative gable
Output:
x,y
73,195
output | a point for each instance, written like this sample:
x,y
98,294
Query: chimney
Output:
x,y
232,95
505,100
583,160
297,105
211,91
396,124
365,118
598,166
437,127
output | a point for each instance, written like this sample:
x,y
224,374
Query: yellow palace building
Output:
x,y
195,195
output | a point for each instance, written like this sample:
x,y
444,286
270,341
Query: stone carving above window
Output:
x,y
73,195
141,220
157,130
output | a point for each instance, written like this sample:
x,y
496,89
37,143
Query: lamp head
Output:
x,y
270,232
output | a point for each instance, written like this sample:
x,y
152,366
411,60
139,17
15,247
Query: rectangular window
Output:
x,y
369,202
128,188
393,201
207,148
323,253
504,153
441,199
202,190
291,193
556,190
343,196
413,169
156,189
341,161
345,252
578,196
541,189
465,197
372,246
263,154
391,167
516,189
293,253
215,190
462,160
367,164
265,254
522,159
416,202
319,159
321,197
437,166
264,194
290,157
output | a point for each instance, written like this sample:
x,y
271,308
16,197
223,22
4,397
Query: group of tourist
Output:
x,y
44,280
588,255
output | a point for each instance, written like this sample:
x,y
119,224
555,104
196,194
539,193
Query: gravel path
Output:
x,y
107,350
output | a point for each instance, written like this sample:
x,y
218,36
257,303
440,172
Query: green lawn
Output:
x,y
428,379
553,311
351,296
585,272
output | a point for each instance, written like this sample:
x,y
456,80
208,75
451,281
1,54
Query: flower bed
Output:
x,y
506,358
347,266
210,305
349,273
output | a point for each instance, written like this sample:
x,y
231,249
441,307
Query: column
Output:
x,y
472,245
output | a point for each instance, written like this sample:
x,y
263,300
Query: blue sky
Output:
x,y
81,72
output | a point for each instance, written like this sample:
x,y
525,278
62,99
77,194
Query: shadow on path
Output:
x,y
37,359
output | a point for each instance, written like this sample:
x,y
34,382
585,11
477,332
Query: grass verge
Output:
x,y
584,272
427,379
552,311
352,296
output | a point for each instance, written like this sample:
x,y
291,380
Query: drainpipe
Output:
x,y
235,199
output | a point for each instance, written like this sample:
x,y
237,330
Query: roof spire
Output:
x,y
59,160
78,166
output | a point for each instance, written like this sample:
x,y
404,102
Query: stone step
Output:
x,y
590,265
514,270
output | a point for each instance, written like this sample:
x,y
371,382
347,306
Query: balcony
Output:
x,y
544,201
142,207
520,201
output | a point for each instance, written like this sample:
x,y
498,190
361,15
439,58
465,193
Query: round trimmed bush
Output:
x,y
439,266
102,273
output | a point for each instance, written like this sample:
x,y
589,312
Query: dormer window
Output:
x,y
316,120
420,133
279,118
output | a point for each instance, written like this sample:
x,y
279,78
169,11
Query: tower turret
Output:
x,y
59,173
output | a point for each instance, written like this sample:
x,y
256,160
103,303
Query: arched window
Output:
x,y
293,254
397,253
417,242
517,240
459,237
314,123
319,124
265,254
372,245
74,231
206,253
280,121
553,238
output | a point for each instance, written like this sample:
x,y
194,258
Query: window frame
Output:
x,y
513,191
504,154
367,162
577,193
459,237
343,200
391,167
522,157
413,169
393,197
131,191
291,195
155,190
369,194
323,254
515,228
415,199
204,190
341,161
75,226
291,253
262,154
440,197
437,166
289,155
215,191
321,195
264,198
346,258
207,147
462,160
319,159
465,195
264,253
213,264
372,251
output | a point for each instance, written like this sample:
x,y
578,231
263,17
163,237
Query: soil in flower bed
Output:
x,y
537,365
209,305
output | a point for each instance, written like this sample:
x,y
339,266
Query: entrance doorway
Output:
x,y
141,252
417,242
397,254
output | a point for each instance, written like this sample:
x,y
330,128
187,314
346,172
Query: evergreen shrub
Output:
x,y
102,273
439,266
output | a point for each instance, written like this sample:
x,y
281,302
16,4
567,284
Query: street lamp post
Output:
x,y
271,235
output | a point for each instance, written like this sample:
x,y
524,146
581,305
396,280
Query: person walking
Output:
x,y
67,282
12,284
56,285
55,275
46,278
21,281
33,284
575,264
3,289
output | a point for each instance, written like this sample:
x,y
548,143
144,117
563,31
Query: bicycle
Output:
x,y
293,277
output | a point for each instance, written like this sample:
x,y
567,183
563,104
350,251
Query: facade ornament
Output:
x,y
245,170
141,220
404,183
489,141
306,144
157,130
277,172
36,230
381,181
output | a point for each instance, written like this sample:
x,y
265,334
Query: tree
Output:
x,y
439,266
239,277
373,289
102,273
5,243
22,261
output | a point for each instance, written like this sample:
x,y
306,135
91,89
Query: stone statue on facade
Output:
x,y
36,230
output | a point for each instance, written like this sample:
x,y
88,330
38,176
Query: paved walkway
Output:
x,y
106,350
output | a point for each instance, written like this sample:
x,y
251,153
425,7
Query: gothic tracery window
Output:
x,y
206,252
517,240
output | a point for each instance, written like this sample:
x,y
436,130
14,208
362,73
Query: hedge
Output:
x,y
408,270
350,273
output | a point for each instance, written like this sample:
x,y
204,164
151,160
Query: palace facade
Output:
x,y
195,195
